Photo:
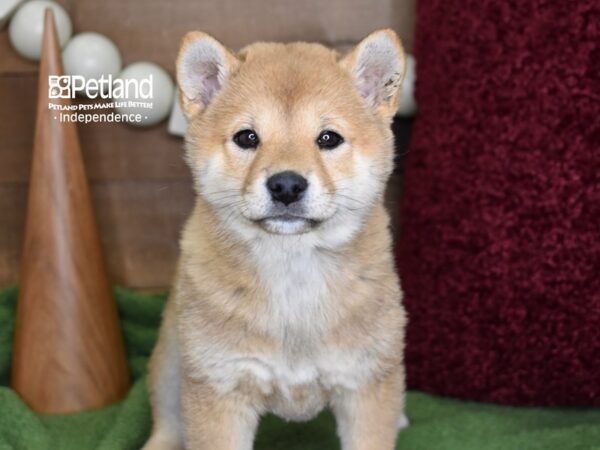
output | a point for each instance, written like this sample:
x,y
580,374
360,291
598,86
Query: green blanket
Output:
x,y
436,423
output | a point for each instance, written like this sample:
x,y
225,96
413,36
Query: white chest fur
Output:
x,y
296,279
301,307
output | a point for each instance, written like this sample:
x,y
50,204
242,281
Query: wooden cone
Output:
x,y
68,351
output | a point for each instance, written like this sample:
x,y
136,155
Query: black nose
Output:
x,y
287,187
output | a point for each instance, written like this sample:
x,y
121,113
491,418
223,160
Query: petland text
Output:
x,y
105,87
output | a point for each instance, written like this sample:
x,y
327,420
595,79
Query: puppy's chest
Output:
x,y
302,306
298,287
303,365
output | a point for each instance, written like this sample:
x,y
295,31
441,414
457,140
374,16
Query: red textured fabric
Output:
x,y
500,248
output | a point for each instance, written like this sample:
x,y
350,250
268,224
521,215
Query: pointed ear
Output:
x,y
203,66
377,65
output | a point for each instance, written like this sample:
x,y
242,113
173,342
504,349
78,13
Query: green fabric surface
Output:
x,y
436,423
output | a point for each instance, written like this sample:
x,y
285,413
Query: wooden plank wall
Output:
x,y
141,188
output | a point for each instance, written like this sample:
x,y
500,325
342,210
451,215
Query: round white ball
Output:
x,y
91,55
26,28
408,104
163,90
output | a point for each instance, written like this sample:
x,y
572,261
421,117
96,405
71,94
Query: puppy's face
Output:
x,y
290,139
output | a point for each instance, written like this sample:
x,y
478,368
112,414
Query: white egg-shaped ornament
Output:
x,y
177,121
27,27
408,104
7,9
144,92
94,58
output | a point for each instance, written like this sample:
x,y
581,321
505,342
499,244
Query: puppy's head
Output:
x,y
290,138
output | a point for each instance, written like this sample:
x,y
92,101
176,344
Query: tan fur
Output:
x,y
286,323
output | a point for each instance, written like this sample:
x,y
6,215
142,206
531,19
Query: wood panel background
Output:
x,y
141,188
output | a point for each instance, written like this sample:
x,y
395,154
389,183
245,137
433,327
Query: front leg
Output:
x,y
369,418
216,421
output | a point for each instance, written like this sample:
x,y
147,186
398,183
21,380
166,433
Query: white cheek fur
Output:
x,y
209,177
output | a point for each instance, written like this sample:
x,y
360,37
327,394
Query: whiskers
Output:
x,y
230,213
232,204
344,199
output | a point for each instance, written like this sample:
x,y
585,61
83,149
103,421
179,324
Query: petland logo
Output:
x,y
105,87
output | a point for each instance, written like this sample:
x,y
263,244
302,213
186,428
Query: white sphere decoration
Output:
x,y
91,55
163,90
177,121
27,27
408,105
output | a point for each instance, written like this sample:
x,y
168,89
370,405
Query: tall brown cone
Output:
x,y
68,352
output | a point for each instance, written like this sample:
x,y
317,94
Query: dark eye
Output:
x,y
246,139
328,140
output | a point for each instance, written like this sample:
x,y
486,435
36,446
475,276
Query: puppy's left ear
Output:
x,y
377,65
203,67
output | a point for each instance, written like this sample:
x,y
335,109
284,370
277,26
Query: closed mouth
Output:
x,y
289,218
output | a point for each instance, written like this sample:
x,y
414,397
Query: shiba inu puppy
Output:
x,y
286,299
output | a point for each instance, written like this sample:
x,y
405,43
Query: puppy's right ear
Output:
x,y
203,65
